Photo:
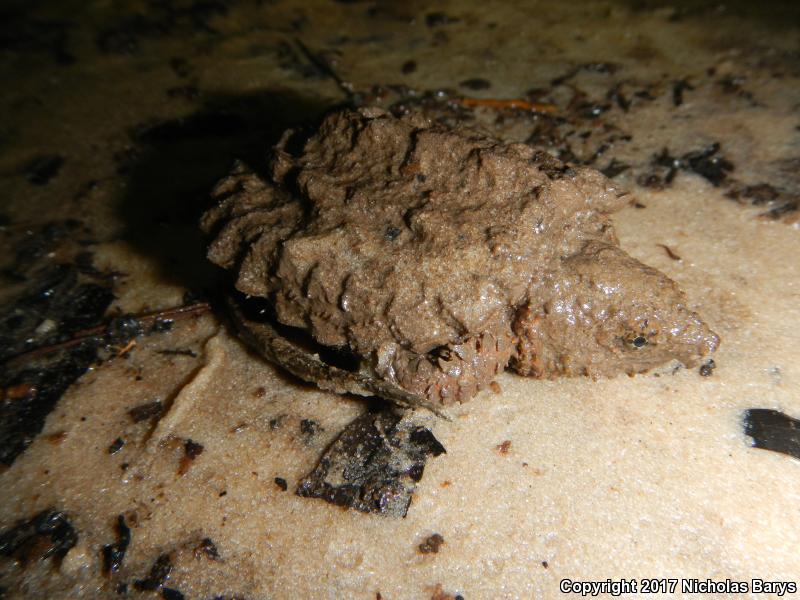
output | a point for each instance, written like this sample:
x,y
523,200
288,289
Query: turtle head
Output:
x,y
606,313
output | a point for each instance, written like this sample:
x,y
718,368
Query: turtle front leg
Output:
x,y
451,373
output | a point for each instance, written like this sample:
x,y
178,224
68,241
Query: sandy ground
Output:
x,y
645,477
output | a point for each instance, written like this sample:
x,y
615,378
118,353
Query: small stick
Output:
x,y
128,347
670,252
169,314
537,107
326,68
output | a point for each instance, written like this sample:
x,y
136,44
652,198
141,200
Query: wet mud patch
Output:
x,y
55,324
55,293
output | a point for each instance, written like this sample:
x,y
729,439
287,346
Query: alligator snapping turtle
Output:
x,y
438,256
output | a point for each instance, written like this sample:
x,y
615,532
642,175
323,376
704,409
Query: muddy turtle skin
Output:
x,y
439,256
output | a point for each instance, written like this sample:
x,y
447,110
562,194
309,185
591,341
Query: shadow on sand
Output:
x,y
179,162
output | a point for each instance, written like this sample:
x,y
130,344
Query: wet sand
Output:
x,y
122,120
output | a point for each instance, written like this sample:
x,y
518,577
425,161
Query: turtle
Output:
x,y
419,259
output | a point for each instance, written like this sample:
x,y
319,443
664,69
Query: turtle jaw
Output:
x,y
549,346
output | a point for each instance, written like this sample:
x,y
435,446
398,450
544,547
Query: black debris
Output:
x,y
294,60
773,430
785,208
158,575
707,368
116,446
709,164
431,544
126,33
37,244
309,427
435,19
392,232
424,440
476,83
179,352
651,180
409,67
114,554
58,301
191,450
616,95
43,381
678,88
604,68
41,169
324,64
373,465
123,329
46,534
734,84
760,193
592,110
206,548
171,594
554,169
706,162
757,194
281,483
181,67
147,411
614,168
670,252
161,325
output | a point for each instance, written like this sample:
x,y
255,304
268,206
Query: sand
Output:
x,y
643,477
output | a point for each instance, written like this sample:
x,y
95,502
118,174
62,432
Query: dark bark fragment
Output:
x,y
191,450
45,380
46,534
431,544
476,83
707,368
147,411
116,446
42,169
158,575
114,554
773,430
206,548
373,465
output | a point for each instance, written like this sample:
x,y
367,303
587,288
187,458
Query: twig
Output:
x,y
669,252
326,68
83,335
